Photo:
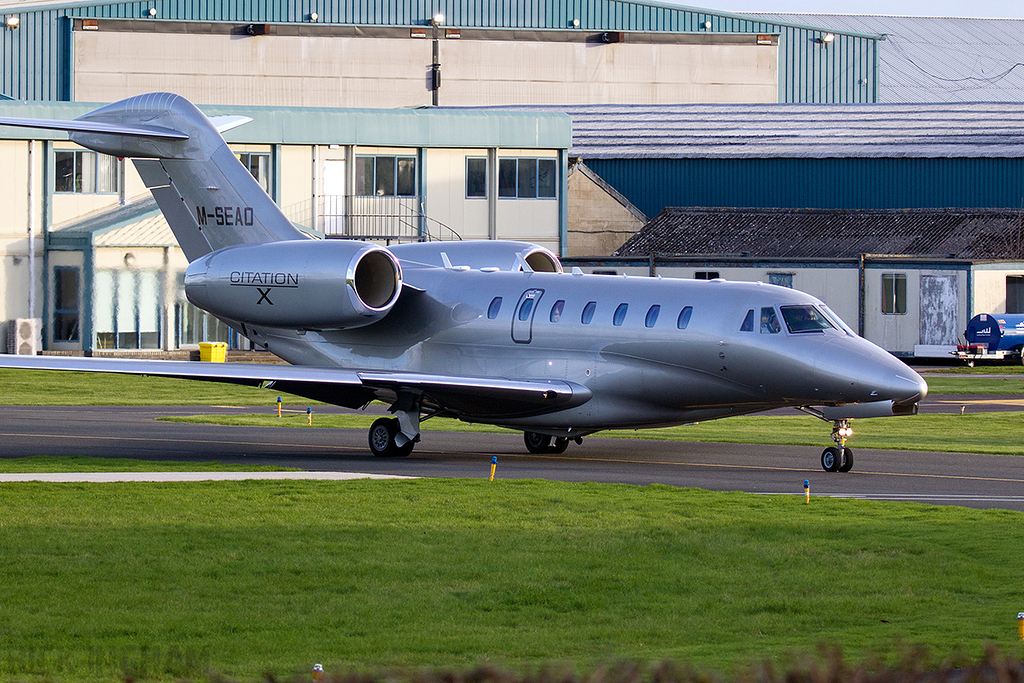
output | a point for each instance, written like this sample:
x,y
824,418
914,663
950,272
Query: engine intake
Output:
x,y
322,284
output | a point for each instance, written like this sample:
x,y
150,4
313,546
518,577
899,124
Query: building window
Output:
x,y
781,279
126,309
83,172
1014,294
385,176
476,178
526,178
894,293
65,304
258,165
706,275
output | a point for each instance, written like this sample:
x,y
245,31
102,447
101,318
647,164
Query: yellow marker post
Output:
x,y
279,406
309,417
494,466
807,491
1020,624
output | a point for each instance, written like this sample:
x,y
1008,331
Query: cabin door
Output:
x,y
522,319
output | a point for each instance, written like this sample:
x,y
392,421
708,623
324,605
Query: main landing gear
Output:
x,y
838,458
394,437
545,443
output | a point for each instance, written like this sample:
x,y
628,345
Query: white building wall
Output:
x,y
344,71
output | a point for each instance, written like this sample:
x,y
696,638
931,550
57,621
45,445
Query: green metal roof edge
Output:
x,y
428,127
80,234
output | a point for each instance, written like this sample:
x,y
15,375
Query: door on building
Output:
x,y
522,320
940,309
334,197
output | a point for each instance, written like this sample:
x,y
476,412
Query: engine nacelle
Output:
x,y
308,284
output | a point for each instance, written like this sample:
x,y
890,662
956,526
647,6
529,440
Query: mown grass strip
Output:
x,y
246,579
80,463
997,433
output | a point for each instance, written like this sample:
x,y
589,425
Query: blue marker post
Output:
x,y
309,417
494,466
807,491
279,406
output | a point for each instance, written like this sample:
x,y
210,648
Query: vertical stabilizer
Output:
x,y
210,200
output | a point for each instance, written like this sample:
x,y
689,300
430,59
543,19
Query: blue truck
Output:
x,y
995,337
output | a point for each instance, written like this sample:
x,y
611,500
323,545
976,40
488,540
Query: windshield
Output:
x,y
837,321
805,318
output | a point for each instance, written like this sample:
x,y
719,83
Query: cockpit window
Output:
x,y
748,322
805,318
837,321
769,321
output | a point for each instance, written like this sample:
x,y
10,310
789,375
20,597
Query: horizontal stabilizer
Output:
x,y
77,126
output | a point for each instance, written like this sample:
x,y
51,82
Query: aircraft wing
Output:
x,y
469,397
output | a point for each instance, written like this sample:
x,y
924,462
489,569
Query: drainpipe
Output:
x,y
860,296
31,228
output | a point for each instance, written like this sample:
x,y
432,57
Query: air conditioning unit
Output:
x,y
23,336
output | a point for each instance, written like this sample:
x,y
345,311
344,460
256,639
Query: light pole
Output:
x,y
435,67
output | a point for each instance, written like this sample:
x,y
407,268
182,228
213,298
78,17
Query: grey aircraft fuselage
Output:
x,y
487,331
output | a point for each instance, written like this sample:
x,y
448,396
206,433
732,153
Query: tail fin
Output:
x,y
209,198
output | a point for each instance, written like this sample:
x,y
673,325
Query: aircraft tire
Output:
x,y
537,443
847,461
558,445
830,459
381,438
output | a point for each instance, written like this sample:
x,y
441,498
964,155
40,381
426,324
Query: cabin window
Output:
x,y
83,172
476,177
385,176
527,178
620,314
769,321
492,310
556,310
684,317
894,293
65,304
258,165
748,322
588,312
526,309
706,275
652,315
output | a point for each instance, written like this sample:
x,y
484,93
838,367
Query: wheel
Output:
x,y
830,459
537,443
847,460
382,439
559,445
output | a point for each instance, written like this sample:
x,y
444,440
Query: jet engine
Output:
x,y
307,284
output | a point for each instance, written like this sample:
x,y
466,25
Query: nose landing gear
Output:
x,y
838,458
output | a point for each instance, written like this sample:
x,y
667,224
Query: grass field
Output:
x,y
248,580
39,387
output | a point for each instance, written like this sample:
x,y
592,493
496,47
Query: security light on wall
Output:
x,y
825,39
13,22
313,16
152,11
437,19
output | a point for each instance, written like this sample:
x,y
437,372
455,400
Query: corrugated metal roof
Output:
x,y
831,234
930,59
736,131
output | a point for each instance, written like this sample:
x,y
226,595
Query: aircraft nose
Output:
x,y
908,386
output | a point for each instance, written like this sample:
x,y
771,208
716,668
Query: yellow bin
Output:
x,y
212,352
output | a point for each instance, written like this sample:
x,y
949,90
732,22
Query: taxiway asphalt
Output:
x,y
979,481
